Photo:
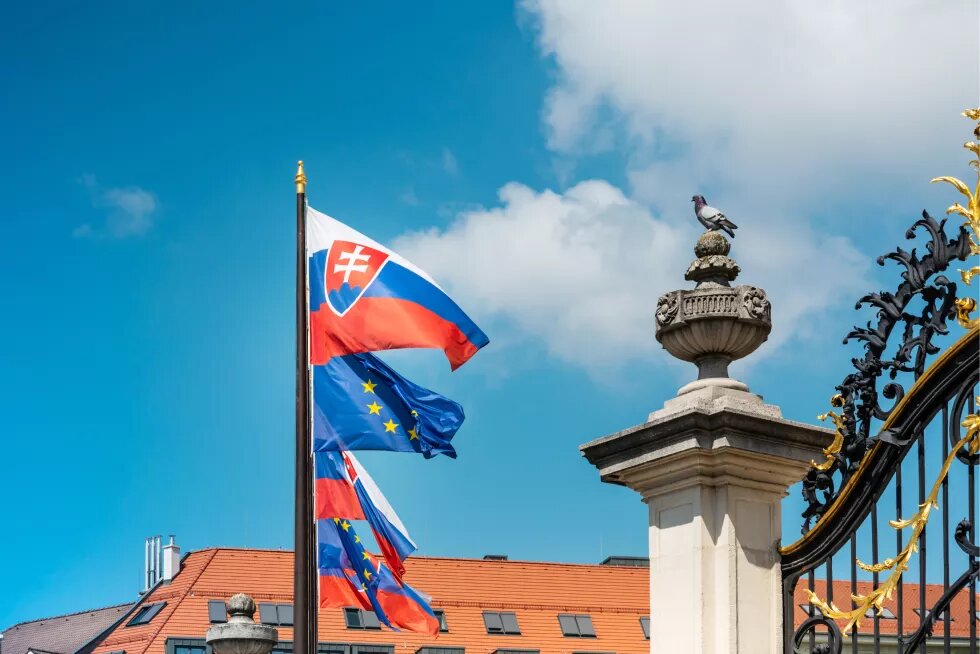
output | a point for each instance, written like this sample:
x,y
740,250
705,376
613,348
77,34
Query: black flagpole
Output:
x,y
304,574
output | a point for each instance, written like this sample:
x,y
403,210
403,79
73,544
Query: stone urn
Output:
x,y
240,635
714,323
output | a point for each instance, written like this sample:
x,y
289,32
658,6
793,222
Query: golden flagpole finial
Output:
x,y
300,178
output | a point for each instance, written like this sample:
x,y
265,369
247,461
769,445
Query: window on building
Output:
x,y
441,616
190,649
145,614
939,618
332,648
372,649
217,612
186,646
645,625
276,614
361,619
579,626
440,650
501,623
886,613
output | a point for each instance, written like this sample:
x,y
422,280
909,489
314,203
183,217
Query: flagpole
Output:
x,y
305,574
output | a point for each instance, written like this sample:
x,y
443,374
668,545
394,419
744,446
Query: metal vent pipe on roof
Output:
x,y
151,561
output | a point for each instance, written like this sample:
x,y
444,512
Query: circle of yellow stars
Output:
x,y
375,409
346,526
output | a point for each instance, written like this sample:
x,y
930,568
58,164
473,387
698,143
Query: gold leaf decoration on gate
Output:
x,y
898,565
840,422
966,305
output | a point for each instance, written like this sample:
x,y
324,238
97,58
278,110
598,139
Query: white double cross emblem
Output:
x,y
353,264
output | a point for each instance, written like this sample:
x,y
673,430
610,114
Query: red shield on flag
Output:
x,y
350,269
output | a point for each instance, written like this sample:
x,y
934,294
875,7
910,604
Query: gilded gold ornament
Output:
x,y
840,422
972,209
300,178
898,565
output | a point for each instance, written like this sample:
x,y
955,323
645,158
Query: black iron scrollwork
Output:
x,y
835,640
858,392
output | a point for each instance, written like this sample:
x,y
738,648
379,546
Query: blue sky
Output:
x,y
536,159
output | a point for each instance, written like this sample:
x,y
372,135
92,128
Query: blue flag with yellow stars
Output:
x,y
360,403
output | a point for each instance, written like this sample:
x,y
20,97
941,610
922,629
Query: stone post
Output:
x,y
713,466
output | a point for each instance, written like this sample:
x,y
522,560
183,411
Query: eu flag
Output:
x,y
360,403
342,555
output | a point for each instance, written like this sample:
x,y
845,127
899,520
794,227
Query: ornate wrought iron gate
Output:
x,y
902,464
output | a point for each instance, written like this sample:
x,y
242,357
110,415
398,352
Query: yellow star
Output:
x,y
391,425
336,521
367,557
415,414
412,436
367,574
345,525
357,539
374,408
368,386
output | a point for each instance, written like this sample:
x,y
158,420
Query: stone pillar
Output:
x,y
713,466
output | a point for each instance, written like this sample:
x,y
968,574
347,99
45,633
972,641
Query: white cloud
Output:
x,y
449,163
773,108
129,210
798,98
581,271
409,198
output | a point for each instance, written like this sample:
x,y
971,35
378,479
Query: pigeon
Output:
x,y
711,217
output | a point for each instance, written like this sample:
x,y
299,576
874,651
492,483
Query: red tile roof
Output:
x,y
614,596
960,608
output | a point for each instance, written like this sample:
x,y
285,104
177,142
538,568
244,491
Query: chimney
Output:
x,y
151,560
494,557
171,560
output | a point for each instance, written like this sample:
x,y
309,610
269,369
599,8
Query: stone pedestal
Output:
x,y
712,465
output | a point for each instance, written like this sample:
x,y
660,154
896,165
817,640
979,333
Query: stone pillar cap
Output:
x,y
709,436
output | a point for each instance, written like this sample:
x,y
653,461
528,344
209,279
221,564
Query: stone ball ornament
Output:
x,y
714,323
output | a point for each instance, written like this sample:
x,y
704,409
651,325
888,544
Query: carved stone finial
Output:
x,y
711,243
713,324
713,267
240,635
240,608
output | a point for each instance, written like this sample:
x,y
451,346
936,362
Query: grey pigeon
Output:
x,y
711,217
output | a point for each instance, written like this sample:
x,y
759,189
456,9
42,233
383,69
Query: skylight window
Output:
x,y
276,614
939,618
441,616
578,626
501,623
145,614
361,619
217,612
645,624
886,613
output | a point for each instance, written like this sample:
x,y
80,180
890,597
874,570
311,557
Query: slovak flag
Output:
x,y
364,298
344,489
